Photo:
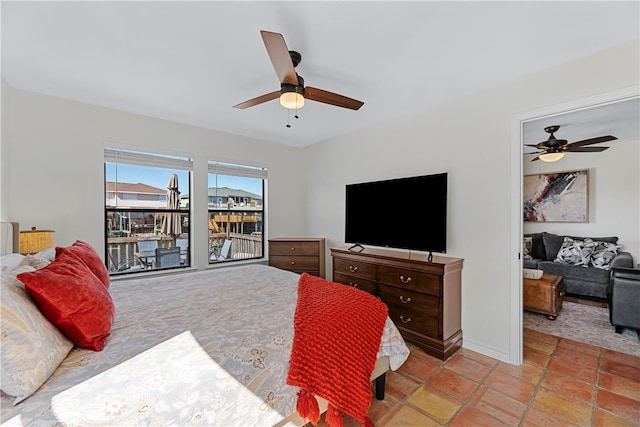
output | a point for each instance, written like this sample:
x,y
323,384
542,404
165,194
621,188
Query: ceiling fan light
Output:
x,y
551,157
292,100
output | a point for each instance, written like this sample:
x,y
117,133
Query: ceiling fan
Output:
x,y
292,91
554,149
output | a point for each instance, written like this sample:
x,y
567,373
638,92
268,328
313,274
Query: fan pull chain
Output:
x,y
289,117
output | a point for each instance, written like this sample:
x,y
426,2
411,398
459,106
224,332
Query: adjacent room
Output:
x,y
186,187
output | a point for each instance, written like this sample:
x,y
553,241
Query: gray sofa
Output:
x,y
579,280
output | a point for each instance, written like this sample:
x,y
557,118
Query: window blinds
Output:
x,y
138,158
237,170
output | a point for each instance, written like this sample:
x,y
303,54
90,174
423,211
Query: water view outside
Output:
x,y
147,217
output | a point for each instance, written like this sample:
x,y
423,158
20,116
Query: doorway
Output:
x,y
518,128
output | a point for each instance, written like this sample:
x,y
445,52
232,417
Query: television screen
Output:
x,y
403,213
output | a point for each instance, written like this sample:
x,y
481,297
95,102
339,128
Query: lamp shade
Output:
x,y
33,241
551,157
292,100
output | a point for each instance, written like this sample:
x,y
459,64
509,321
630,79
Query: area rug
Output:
x,y
587,324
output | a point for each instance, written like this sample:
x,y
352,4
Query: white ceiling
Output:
x,y
190,62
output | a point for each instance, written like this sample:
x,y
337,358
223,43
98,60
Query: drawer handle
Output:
x,y
353,269
293,263
405,281
355,285
405,301
293,249
403,319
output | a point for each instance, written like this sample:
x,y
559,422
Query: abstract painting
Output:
x,y
556,197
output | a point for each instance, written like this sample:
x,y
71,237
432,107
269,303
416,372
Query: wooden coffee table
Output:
x,y
543,295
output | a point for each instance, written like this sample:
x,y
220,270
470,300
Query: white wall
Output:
x,y
470,138
56,162
55,149
614,194
4,149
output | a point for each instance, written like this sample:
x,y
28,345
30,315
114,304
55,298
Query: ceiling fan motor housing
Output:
x,y
286,87
553,142
295,57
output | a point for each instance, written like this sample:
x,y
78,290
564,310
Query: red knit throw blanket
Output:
x,y
337,333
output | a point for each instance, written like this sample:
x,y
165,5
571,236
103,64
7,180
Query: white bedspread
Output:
x,y
203,348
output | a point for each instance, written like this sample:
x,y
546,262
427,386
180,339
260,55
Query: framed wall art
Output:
x,y
556,197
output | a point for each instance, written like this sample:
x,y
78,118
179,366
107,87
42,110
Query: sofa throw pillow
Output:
x,y
603,254
74,299
527,245
537,249
32,348
575,252
552,245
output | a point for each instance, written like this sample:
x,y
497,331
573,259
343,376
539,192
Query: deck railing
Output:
x,y
121,250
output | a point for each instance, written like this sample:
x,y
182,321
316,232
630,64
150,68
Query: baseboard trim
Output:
x,y
489,351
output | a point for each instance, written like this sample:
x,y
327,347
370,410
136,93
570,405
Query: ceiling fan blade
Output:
x,y
535,158
280,58
571,149
258,100
538,146
592,141
331,98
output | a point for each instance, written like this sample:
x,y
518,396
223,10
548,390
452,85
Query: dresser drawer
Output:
x,y
294,248
295,263
357,282
410,279
423,325
412,310
411,302
354,268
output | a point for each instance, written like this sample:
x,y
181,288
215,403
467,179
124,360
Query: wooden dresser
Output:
x,y
298,254
423,297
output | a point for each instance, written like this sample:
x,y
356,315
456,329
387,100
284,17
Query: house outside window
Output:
x,y
147,211
235,200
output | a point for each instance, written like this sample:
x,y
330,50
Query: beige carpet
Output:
x,y
587,324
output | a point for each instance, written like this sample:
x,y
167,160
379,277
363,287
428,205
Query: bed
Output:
x,y
199,348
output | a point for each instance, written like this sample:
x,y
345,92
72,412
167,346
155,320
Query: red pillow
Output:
x,y
89,256
73,299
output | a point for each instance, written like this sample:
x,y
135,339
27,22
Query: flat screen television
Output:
x,y
403,213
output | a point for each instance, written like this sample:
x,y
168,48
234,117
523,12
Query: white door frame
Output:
x,y
517,122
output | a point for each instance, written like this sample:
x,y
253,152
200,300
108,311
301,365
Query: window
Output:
x,y
147,211
235,200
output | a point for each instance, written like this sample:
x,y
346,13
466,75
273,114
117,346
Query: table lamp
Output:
x,y
33,241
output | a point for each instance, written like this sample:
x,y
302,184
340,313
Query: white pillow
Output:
x,y
35,262
32,347
22,268
47,254
10,261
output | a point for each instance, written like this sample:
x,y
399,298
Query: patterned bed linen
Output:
x,y
201,348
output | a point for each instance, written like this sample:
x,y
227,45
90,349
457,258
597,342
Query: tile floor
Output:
x,y
560,383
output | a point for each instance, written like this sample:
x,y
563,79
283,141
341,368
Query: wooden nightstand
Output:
x,y
298,254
